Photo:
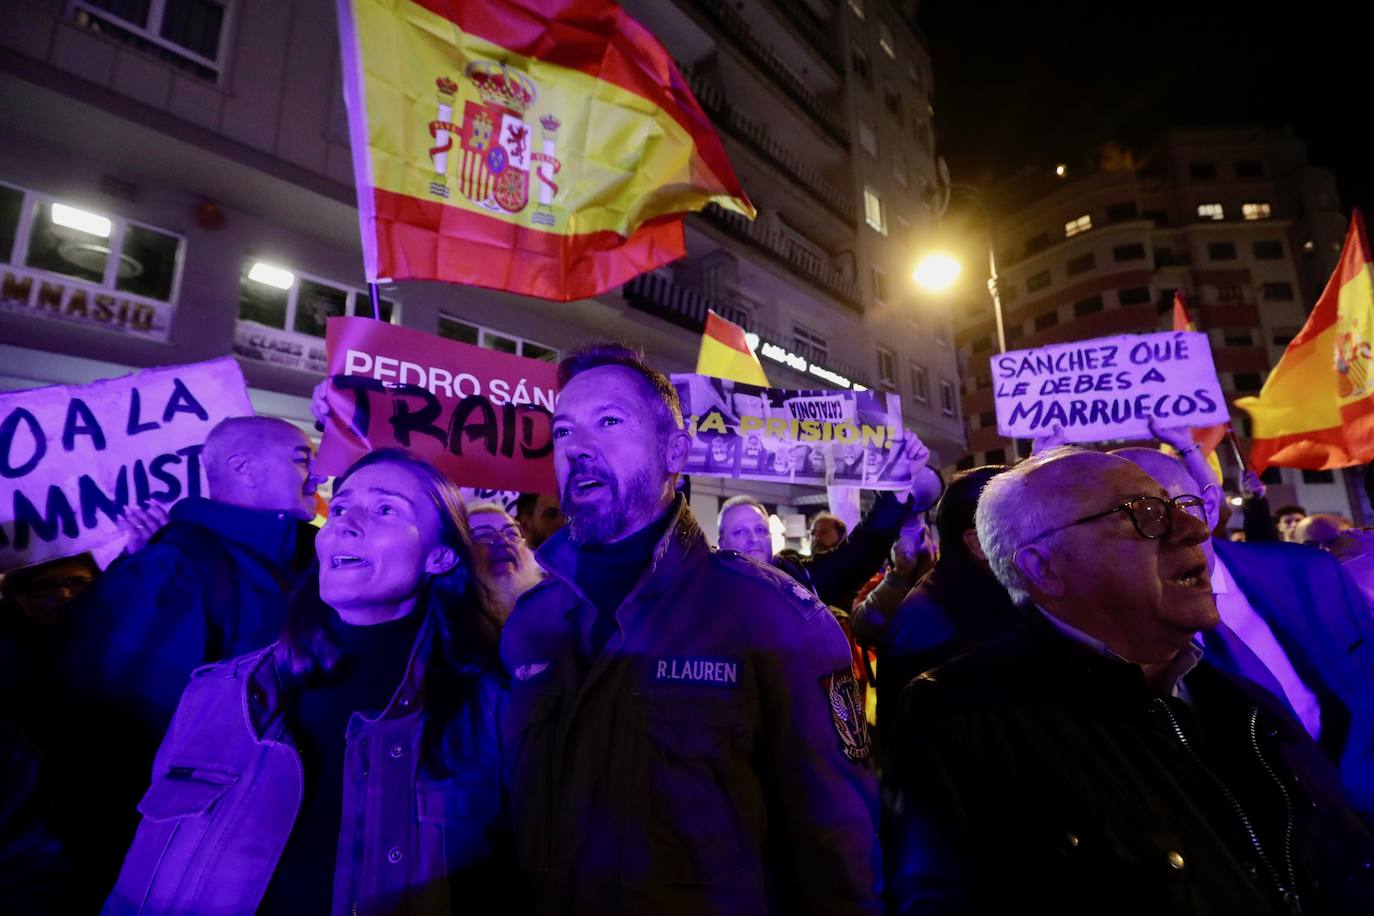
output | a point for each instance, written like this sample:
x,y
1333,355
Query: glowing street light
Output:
x,y
1061,170
936,271
269,275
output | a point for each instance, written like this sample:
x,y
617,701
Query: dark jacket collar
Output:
x,y
681,548
273,534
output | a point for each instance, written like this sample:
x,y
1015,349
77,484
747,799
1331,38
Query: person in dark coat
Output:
x,y
214,583
1091,760
957,606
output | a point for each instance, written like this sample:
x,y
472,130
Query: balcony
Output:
x,y
736,124
823,37
766,58
664,299
776,246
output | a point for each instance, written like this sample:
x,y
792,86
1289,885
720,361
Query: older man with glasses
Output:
x,y
1092,761
505,563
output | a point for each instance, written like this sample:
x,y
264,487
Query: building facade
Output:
x,y
176,185
1237,219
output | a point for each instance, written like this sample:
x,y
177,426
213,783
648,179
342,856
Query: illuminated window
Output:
x,y
886,42
1257,210
188,34
873,211
868,137
1211,211
465,332
1075,226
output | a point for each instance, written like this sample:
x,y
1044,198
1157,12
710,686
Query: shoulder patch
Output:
x,y
846,703
798,596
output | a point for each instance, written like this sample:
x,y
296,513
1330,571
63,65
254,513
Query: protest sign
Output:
x,y
73,456
507,498
852,438
482,417
1108,388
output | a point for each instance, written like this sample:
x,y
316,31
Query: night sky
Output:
x,y
1039,82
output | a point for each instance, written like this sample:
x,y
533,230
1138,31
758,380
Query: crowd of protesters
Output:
x,y
1087,698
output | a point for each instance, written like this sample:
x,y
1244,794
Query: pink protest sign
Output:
x,y
481,416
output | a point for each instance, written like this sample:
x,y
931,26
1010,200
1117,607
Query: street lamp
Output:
x,y
936,271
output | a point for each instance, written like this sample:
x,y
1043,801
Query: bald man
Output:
x,y
212,584
1306,623
1092,760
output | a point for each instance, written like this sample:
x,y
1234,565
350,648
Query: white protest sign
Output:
x,y
1108,388
73,456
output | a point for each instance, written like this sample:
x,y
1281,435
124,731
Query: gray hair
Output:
x,y
742,500
488,506
1011,514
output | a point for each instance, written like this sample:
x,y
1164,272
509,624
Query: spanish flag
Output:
x,y
545,147
1209,437
1316,411
725,353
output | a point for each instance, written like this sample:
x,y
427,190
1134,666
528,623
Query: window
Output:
x,y
892,101
1284,336
1087,306
1318,477
1158,217
1277,292
947,405
1211,211
858,7
188,34
1046,319
1246,381
899,171
886,41
465,332
1081,264
920,384
119,274
859,62
868,137
1080,224
1237,337
1133,295
879,284
1133,252
1037,243
1221,251
887,368
1268,250
873,211
1255,210
1120,213
1202,171
810,344
1037,282
288,300
1249,168
1230,293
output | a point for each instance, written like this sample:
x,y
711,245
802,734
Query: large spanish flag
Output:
x,y
546,147
1316,410
725,353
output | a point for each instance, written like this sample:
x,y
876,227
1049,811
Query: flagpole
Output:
x,y
376,300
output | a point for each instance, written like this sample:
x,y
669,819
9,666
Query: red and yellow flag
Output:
x,y
1209,437
725,353
1316,410
545,147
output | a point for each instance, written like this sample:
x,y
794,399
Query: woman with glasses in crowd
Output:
x,y
505,563
353,765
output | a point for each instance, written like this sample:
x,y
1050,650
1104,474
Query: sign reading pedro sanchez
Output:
x,y
1108,388
481,416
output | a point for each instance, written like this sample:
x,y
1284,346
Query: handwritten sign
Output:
x,y
73,456
482,417
811,437
1108,388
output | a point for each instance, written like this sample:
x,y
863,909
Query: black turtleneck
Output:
x,y
606,573
370,668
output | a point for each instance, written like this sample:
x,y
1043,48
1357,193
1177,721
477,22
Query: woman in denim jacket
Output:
x,y
353,766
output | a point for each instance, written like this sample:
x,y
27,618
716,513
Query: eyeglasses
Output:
x,y
510,534
1152,516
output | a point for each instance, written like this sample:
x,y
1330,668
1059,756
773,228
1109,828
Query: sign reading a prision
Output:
x,y
1108,388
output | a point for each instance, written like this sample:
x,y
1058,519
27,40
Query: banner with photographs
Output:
x,y
784,435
